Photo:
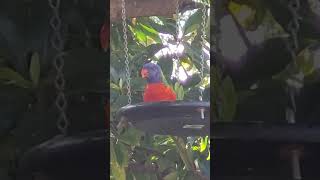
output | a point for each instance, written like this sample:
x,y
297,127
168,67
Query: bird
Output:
x,y
155,90
104,36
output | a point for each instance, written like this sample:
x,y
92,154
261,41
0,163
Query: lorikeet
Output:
x,y
155,89
104,35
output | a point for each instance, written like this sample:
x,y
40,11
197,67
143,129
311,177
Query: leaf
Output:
x,y
166,65
193,22
114,74
229,99
305,62
117,172
249,13
138,83
195,148
186,63
120,102
10,76
121,83
35,68
152,33
171,176
203,144
131,136
181,93
160,24
122,154
309,23
176,86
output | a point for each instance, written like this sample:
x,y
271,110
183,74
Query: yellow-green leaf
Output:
x,y
229,99
35,68
117,172
171,176
203,144
305,62
10,76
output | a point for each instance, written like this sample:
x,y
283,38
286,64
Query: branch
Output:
x,y
139,8
240,30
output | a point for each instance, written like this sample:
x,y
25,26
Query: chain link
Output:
x,y
177,40
203,31
58,63
293,45
126,55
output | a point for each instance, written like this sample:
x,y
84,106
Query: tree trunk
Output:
x,y
139,8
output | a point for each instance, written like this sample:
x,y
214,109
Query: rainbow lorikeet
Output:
x,y
104,35
155,89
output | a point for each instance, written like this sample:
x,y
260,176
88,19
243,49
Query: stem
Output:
x,y
183,154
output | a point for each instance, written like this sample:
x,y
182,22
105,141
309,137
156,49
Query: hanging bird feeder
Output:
x,y
174,118
179,118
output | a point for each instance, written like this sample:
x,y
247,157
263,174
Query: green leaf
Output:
x,y
195,148
117,172
229,99
166,65
305,62
122,154
35,68
203,144
10,76
121,83
114,74
249,13
171,176
120,102
176,86
181,93
131,136
152,33
138,83
193,22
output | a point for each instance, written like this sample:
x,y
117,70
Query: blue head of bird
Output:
x,y
151,72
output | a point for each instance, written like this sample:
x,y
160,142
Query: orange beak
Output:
x,y
144,73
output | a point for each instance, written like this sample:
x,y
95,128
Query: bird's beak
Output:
x,y
144,73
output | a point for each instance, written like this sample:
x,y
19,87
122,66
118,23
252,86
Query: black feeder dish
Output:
x,y
260,151
80,157
178,118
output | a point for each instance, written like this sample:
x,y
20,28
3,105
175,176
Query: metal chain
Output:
x,y
58,63
293,46
177,40
203,30
203,35
125,38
